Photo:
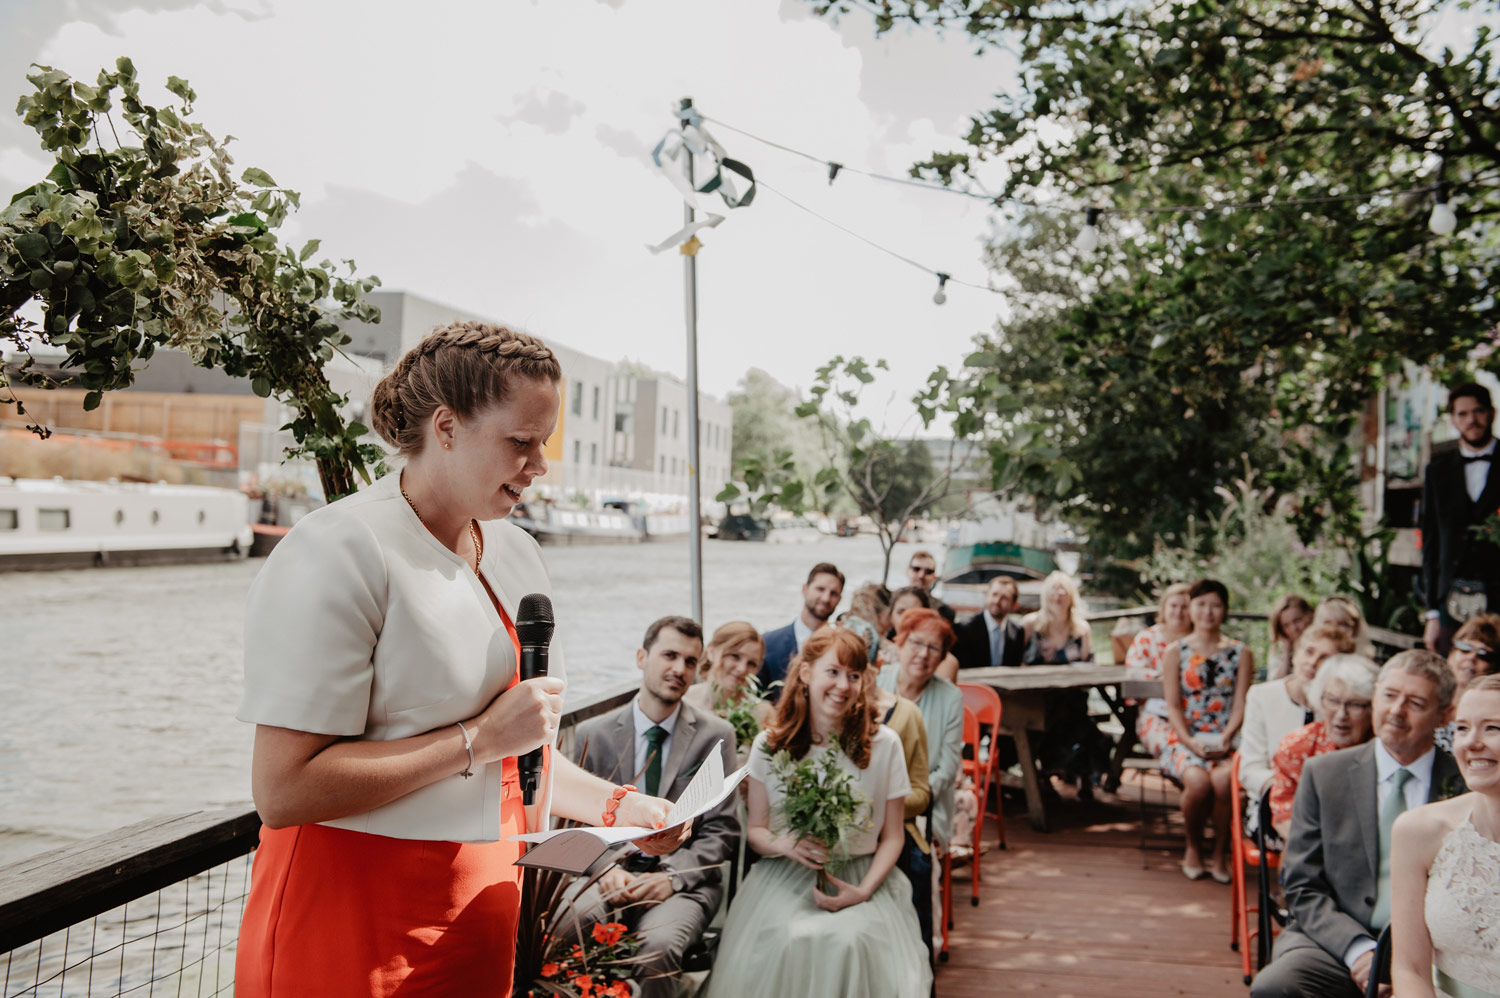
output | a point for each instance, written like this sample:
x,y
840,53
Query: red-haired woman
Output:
x,y
784,936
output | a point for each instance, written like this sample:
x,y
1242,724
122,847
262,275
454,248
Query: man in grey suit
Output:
x,y
1336,867
657,743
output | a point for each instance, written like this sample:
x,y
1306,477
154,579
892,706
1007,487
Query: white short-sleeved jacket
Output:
x,y
362,624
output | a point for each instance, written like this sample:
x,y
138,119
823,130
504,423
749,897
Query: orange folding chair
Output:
x,y
964,852
987,708
1245,852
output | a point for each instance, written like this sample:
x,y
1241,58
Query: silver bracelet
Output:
x,y
469,745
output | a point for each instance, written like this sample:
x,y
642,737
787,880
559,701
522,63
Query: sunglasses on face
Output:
x,y
1479,651
916,570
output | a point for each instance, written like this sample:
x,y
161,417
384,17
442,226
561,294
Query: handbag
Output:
x,y
1466,598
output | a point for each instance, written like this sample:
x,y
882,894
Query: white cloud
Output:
x,y
493,155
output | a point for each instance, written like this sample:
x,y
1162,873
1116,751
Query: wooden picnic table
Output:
x,y
1024,693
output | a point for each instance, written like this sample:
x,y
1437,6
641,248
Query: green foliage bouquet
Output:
x,y
742,712
820,802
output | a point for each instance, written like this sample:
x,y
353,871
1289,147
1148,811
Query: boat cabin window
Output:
x,y
53,519
202,516
155,517
982,576
10,519
119,517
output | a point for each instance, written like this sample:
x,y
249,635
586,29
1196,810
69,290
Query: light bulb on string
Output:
x,y
833,172
940,296
1088,237
1443,220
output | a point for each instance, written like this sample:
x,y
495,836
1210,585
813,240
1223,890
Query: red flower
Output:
x,y
619,989
585,985
1193,679
1216,705
608,933
577,952
549,970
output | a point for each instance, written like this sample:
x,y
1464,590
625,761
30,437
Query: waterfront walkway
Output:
x,y
1072,914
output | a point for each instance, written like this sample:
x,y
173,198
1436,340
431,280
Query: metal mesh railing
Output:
x,y
177,941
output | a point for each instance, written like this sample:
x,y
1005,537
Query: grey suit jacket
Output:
x,y
605,746
1329,867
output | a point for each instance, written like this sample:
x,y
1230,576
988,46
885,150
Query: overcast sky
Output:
x,y
494,155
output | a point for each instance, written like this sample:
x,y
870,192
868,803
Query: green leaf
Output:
x,y
91,401
257,178
261,386
728,493
309,249
32,246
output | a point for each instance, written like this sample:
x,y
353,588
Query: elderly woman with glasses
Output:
x,y
923,639
1340,695
1475,652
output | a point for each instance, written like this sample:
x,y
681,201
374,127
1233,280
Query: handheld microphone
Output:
x,y
534,626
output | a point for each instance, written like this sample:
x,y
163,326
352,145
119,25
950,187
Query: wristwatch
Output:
x,y
673,877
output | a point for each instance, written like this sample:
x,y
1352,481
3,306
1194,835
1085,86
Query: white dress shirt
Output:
x,y
644,724
1476,473
1417,790
991,625
800,631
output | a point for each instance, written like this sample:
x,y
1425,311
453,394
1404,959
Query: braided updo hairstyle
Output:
x,y
467,366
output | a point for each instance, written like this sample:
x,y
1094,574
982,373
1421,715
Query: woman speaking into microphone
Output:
x,y
381,672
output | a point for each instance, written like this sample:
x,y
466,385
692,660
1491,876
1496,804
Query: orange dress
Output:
x,y
335,913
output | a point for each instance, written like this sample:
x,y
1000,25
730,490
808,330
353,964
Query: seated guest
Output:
x,y
990,637
733,656
921,573
1204,679
903,599
1475,652
1444,863
905,719
1289,618
922,642
1341,696
1143,659
657,742
1276,708
1336,867
1058,632
820,597
784,936
1343,611
872,604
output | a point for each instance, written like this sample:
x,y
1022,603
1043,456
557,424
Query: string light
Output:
x,y
1088,236
940,296
833,172
1443,220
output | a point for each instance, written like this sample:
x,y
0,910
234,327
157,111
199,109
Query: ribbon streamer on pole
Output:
x,y
724,179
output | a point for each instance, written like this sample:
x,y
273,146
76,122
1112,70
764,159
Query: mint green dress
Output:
x,y
778,942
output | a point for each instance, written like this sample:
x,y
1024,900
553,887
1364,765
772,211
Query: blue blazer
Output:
x,y
781,645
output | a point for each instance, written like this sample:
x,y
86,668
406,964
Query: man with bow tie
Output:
x,y
1460,573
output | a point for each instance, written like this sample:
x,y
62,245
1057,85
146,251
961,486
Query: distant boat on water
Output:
x,y
53,523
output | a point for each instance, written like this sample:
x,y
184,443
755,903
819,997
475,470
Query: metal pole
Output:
x,y
690,302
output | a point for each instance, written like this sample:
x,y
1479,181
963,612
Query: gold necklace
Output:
x,y
474,537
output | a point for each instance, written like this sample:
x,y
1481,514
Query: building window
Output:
x,y
593,453
676,423
662,468
578,398
596,403
53,519
577,452
10,519
663,420
622,422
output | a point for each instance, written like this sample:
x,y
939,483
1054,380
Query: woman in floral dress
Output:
x,y
1204,681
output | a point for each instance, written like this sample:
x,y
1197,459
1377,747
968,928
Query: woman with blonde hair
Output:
x,y
1058,632
1152,726
1288,619
1343,611
381,673
733,658
784,935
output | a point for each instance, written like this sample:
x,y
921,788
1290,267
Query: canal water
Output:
x,y
118,686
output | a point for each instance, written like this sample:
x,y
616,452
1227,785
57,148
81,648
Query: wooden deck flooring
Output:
x,y
1072,914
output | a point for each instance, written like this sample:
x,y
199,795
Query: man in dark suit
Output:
x,y
657,743
990,637
820,597
1459,490
1336,867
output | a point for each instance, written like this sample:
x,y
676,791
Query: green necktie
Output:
x,y
655,735
1395,804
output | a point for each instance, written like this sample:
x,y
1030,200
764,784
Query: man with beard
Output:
x,y
1460,490
657,742
1336,867
820,597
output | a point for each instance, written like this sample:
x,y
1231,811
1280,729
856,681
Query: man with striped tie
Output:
x,y
1336,868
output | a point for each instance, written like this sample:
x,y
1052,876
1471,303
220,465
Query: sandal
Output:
x,y
1221,876
1193,872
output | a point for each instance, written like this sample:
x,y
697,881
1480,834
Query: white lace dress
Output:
x,y
1463,914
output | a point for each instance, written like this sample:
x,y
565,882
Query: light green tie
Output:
x,y
655,735
1395,804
